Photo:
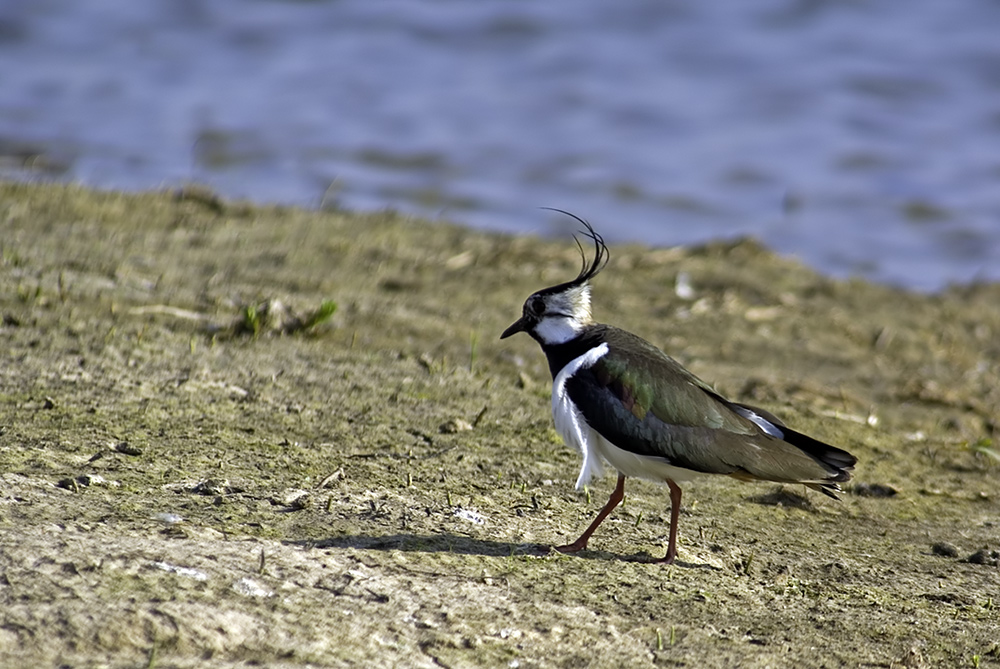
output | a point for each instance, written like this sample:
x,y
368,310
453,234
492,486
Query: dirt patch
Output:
x,y
378,488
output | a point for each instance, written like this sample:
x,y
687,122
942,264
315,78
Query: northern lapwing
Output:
x,y
618,399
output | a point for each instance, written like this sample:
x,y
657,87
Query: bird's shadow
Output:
x,y
463,545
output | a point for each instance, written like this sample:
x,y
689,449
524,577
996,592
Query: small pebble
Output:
x,y
187,572
85,481
297,500
944,549
212,487
126,448
873,490
251,588
984,556
455,425
470,515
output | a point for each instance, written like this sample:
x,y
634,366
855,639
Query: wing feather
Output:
x,y
644,402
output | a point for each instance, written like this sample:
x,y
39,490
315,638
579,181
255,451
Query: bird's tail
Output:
x,y
836,461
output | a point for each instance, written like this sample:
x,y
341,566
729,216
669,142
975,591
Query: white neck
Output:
x,y
560,329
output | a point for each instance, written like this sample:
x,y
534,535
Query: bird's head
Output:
x,y
558,314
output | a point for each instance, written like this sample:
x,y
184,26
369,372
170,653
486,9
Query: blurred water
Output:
x,y
862,136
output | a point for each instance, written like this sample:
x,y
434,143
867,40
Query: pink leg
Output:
x,y
675,510
617,495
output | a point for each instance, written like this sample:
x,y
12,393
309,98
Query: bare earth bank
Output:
x,y
378,490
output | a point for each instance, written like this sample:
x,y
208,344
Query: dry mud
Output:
x,y
379,490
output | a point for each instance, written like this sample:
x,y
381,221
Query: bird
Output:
x,y
620,400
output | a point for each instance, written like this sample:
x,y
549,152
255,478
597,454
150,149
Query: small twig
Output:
x,y
166,310
479,416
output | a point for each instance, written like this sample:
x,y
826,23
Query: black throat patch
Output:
x,y
559,355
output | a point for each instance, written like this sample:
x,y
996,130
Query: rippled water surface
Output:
x,y
863,137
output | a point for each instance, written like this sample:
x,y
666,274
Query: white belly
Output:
x,y
639,466
597,450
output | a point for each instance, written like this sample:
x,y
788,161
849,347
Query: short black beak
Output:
x,y
515,327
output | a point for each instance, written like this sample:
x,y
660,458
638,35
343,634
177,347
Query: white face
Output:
x,y
559,318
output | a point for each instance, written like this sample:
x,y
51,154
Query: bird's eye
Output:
x,y
536,305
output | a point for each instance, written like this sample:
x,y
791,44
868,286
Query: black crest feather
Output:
x,y
590,269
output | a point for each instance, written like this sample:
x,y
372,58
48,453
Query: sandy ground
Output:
x,y
185,485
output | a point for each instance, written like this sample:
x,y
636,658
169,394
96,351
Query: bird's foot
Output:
x,y
574,547
667,559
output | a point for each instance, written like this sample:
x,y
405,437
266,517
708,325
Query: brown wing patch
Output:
x,y
628,398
